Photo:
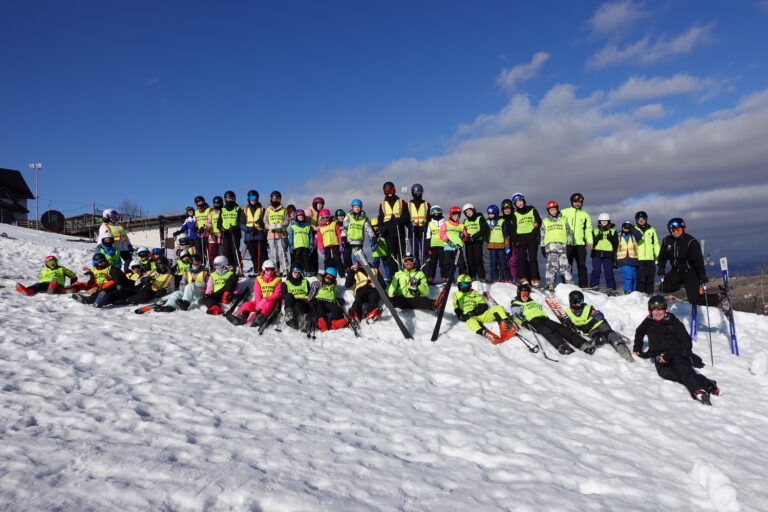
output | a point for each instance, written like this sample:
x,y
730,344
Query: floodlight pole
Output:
x,y
36,167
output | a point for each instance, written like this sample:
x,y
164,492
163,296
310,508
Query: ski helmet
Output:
x,y
641,215
268,264
464,283
553,204
524,287
162,265
374,222
518,197
388,186
675,223
318,199
188,209
99,260
108,240
436,210
297,269
468,206
51,259
109,212
576,299
220,261
330,271
300,212
199,199
253,195
657,302
157,251
507,203
229,194
184,254
340,212
417,190
409,258
493,209
626,224
356,202
133,264
218,202
576,197
183,240
325,212
276,193
454,210
143,252
603,216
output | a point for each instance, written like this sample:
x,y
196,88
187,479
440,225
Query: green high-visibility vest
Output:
x,y
301,236
229,217
355,227
555,231
531,309
525,222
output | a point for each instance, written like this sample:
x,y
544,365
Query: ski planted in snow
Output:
x,y
352,324
382,293
442,298
235,301
271,318
694,321
727,307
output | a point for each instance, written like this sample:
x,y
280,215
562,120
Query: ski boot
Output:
x,y
259,320
214,310
490,335
507,329
164,309
183,304
589,347
564,349
237,319
712,389
290,319
373,315
701,395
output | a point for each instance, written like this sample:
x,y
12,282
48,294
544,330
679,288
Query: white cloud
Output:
x,y
510,78
614,16
762,4
643,88
646,51
649,112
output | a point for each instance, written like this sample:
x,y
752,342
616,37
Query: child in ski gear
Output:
x,y
267,289
328,239
604,252
394,219
276,222
366,303
222,283
476,228
110,227
231,219
189,226
255,234
498,243
313,216
379,250
510,250
295,295
340,215
154,285
592,322
193,285
527,313
409,289
626,255
134,272
110,282
453,234
436,252
213,228
145,260
183,262
107,248
580,223
527,238
354,231
418,209
669,344
201,217
301,241
472,308
52,279
324,304
555,234
647,253
683,252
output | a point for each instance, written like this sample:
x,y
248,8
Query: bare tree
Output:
x,y
130,209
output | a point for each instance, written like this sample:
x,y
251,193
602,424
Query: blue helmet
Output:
x,y
356,202
677,222
331,271
518,197
296,269
493,209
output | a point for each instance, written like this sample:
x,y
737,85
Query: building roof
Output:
x,y
14,182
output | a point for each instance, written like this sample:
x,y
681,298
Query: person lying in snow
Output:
x,y
472,308
52,279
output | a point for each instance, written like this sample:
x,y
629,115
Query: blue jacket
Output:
x,y
190,228
301,225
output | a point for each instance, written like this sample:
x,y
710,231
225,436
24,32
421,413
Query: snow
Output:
x,y
108,410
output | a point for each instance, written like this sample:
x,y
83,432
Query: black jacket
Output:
x,y
536,233
390,228
683,254
668,337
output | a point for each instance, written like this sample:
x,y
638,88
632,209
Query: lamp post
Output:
x,y
36,167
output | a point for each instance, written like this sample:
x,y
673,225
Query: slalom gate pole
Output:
x,y
709,326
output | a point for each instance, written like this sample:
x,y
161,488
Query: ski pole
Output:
x,y
709,325
530,346
541,346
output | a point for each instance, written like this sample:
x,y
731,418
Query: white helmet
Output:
x,y
468,206
109,212
268,264
604,216
220,261
134,263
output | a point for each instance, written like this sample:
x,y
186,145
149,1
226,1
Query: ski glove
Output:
x,y
176,233
479,309
462,316
696,361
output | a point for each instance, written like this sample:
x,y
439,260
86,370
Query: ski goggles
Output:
x,y
143,254
657,305
253,198
675,230
220,265
388,191
464,286
51,263
407,261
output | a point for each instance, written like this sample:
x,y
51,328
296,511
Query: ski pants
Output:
x,y
301,257
557,263
298,306
111,296
514,274
629,278
492,314
347,255
679,369
603,333
366,300
556,333
278,251
499,270
144,295
332,258
231,239
257,250
381,264
43,288
450,256
327,310
646,275
675,280
528,258
474,254
413,302
418,242
578,253
192,293
606,265
263,306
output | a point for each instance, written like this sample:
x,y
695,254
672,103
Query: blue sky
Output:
x,y
157,102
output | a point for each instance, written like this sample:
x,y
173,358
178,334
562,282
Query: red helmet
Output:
x,y
325,213
318,200
454,209
553,204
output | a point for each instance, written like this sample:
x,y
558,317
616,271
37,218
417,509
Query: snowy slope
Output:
x,y
107,410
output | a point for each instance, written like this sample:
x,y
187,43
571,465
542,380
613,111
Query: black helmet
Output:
x,y
576,298
276,193
657,302
217,201
577,197
677,222
417,190
524,287
252,193
507,203
196,258
199,199
162,265
99,259
641,215
388,186
229,193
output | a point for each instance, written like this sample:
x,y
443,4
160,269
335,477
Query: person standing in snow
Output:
x,y
276,222
604,253
510,250
626,255
498,245
555,234
354,230
476,228
394,220
648,253
255,233
669,344
110,227
418,210
527,238
231,219
313,217
581,228
436,249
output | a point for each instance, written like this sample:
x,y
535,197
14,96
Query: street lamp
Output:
x,y
36,167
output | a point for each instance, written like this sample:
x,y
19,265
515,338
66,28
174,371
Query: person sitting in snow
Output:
x,y
267,288
472,308
154,285
52,279
107,248
669,344
222,283
193,284
324,304
106,285
409,288
592,322
295,294
366,303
